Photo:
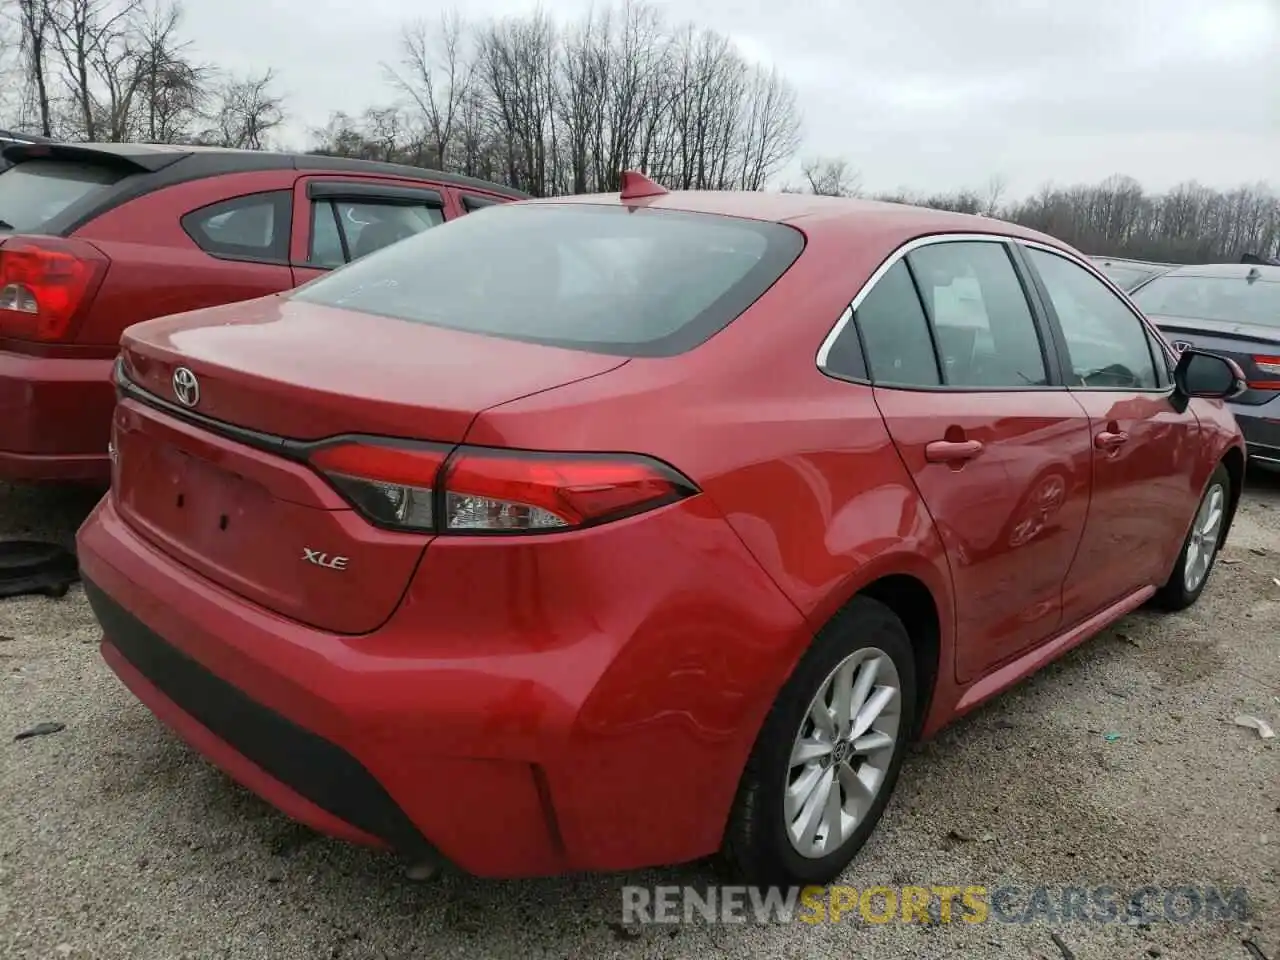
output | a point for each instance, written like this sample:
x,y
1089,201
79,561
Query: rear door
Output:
x,y
1144,444
340,219
998,449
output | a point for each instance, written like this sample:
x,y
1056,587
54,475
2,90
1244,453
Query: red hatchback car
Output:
x,y
94,238
642,526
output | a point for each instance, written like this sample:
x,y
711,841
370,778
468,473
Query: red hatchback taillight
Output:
x,y
440,489
44,283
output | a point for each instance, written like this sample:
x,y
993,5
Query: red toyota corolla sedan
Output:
x,y
613,531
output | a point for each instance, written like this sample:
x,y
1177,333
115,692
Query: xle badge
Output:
x,y
323,559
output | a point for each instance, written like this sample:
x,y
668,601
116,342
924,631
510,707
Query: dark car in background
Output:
x,y
96,237
1231,309
1128,274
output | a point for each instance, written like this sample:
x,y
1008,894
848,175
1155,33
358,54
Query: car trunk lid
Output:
x,y
306,371
1249,345
222,486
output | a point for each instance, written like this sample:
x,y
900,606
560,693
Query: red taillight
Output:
x,y
482,490
44,283
1271,367
394,486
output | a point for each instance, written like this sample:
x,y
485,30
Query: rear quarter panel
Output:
x,y
157,269
799,464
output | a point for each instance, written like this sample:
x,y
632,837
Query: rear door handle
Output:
x,y
1110,439
952,451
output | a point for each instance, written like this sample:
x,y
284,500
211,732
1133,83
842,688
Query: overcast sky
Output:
x,y
925,94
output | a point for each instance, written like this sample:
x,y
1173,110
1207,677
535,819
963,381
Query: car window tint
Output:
x,y
326,241
371,226
985,331
896,332
471,203
253,227
36,191
1106,343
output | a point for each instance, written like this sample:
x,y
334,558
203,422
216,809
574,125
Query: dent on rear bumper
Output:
x,y
530,709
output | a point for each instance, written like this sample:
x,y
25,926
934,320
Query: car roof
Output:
x,y
154,157
1233,271
820,215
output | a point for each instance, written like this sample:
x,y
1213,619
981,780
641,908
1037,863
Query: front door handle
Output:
x,y
1110,439
952,451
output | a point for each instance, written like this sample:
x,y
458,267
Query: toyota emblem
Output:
x,y
186,387
1180,345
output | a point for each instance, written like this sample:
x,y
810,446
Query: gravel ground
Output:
x,y
1118,765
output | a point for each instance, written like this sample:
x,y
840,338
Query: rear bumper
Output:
x,y
563,747
55,417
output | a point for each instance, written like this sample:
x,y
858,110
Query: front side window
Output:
x,y
986,334
1108,345
630,282
252,227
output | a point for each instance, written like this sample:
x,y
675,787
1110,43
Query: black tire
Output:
x,y
1176,594
757,849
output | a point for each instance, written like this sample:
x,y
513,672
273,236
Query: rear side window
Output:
x,y
985,331
470,203
896,332
34,192
629,282
252,227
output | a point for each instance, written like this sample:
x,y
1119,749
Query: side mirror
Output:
x,y
1200,374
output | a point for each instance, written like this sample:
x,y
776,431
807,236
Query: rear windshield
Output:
x,y
630,282
34,192
1231,299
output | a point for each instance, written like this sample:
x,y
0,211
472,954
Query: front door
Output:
x,y
1143,460
999,454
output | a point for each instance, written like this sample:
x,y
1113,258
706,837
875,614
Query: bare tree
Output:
x,y
244,111
35,27
173,88
996,187
831,177
97,63
437,77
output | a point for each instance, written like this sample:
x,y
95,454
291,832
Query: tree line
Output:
x,y
1190,223
550,108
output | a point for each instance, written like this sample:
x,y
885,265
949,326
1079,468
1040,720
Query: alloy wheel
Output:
x,y
842,752
1205,530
